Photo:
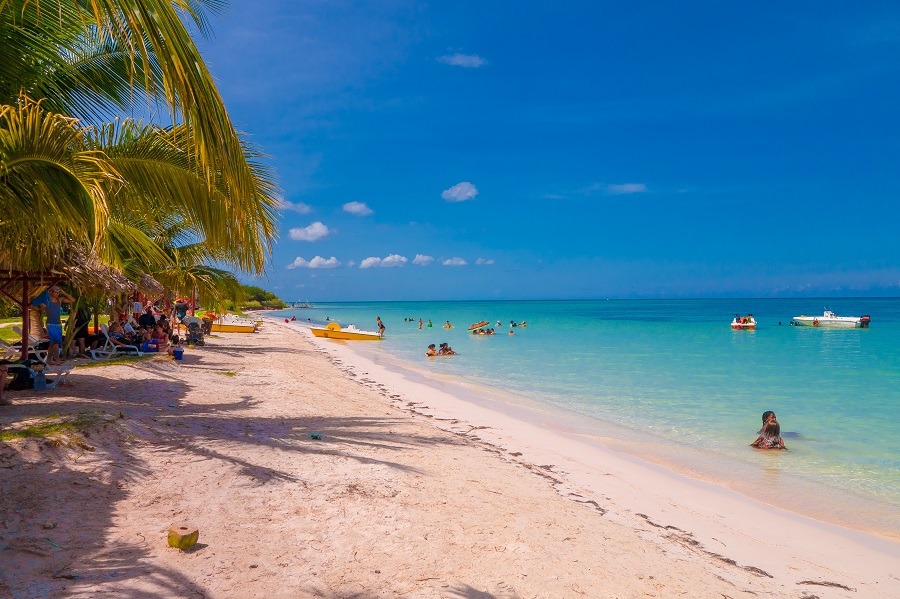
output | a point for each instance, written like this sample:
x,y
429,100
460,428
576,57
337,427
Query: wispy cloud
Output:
x,y
554,196
296,206
393,260
357,208
313,232
460,192
317,262
454,262
484,261
423,260
469,61
626,189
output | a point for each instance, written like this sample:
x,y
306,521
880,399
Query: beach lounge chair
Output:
x,y
9,352
56,375
33,345
110,349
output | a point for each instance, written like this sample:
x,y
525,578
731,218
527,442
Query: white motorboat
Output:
x,y
828,320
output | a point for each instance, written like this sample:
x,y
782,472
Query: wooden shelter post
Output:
x,y
26,318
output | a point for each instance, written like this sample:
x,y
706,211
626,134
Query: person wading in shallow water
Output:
x,y
770,433
380,326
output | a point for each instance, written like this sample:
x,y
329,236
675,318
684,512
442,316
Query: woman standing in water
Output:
x,y
770,433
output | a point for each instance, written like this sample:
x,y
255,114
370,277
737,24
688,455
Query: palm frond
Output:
x,y
48,174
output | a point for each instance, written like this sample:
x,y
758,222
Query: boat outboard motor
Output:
x,y
864,321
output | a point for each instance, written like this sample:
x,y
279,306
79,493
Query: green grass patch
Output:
x,y
110,361
8,335
55,427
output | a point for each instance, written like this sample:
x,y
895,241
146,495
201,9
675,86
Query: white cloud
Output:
x,y
454,262
317,262
626,189
296,206
460,192
357,208
423,260
351,263
314,232
485,261
469,61
320,262
394,260
387,262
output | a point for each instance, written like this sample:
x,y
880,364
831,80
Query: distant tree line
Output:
x,y
257,297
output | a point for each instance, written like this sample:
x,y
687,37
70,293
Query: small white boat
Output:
x,y
828,320
743,323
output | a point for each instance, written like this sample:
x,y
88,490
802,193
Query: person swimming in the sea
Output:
x,y
770,433
446,350
431,351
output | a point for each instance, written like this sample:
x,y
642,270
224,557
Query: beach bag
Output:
x,y
21,379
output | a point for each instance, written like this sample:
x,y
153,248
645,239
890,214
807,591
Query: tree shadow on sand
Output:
x,y
43,552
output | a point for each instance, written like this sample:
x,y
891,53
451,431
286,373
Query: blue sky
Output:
x,y
573,149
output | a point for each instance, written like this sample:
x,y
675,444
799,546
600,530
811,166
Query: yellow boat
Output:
x,y
233,328
228,323
351,333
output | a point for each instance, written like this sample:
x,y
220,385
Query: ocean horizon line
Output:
x,y
598,299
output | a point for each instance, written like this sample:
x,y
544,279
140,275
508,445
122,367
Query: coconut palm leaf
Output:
x,y
51,181
166,189
72,67
143,28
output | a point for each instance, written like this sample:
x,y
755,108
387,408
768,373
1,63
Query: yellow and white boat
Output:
x,y
351,333
228,323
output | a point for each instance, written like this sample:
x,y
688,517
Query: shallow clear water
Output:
x,y
672,375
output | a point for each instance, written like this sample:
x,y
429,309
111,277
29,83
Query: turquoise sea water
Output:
x,y
670,380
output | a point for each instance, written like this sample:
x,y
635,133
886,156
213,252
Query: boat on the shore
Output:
x,y
829,320
228,323
350,333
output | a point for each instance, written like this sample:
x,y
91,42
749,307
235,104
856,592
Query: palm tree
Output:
x,y
86,182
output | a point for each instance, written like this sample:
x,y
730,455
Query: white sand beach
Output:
x,y
411,491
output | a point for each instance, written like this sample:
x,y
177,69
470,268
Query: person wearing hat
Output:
x,y
51,303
